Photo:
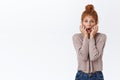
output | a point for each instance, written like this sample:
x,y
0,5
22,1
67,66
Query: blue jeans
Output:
x,y
98,75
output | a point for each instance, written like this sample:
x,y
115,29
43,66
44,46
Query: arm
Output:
x,y
80,46
96,49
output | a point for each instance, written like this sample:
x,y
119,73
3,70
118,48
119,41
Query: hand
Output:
x,y
83,30
94,31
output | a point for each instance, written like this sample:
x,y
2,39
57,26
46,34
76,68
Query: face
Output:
x,y
88,22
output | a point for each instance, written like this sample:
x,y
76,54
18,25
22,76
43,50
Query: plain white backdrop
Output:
x,y
36,38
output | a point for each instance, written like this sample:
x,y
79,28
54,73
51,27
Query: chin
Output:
x,y
88,32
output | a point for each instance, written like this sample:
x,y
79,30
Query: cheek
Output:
x,y
93,24
84,24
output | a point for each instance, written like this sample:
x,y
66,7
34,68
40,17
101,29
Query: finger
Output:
x,y
85,29
82,26
96,28
93,28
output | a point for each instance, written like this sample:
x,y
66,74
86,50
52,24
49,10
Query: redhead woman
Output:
x,y
89,45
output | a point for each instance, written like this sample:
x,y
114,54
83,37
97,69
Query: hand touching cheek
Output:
x,y
94,31
83,30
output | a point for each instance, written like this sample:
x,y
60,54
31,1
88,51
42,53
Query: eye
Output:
x,y
92,21
85,21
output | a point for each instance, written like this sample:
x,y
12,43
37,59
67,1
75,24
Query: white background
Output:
x,y
36,38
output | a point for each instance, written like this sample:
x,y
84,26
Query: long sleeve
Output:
x,y
96,48
81,46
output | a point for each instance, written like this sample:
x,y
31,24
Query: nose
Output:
x,y
89,25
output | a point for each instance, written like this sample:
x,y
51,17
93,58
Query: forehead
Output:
x,y
88,18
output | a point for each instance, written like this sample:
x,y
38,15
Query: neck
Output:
x,y
88,36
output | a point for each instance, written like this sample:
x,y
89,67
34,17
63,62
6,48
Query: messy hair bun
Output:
x,y
89,8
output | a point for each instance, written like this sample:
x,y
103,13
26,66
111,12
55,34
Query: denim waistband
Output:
x,y
98,75
97,72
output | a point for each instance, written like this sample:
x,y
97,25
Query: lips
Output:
x,y
88,30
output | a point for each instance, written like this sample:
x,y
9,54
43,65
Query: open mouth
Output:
x,y
88,30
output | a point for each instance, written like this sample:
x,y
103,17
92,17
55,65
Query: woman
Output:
x,y
89,45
